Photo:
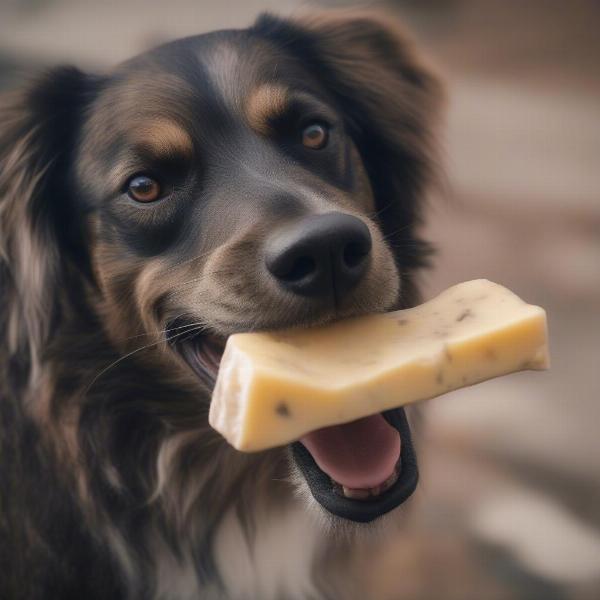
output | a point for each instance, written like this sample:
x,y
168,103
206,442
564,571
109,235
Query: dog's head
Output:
x,y
240,180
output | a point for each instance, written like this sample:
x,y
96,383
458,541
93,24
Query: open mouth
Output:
x,y
358,470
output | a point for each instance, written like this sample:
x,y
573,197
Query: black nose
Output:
x,y
321,255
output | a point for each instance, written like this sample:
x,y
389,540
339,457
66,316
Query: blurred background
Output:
x,y
509,501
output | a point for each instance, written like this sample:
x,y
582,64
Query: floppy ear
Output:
x,y
38,127
391,100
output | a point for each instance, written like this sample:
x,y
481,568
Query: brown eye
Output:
x,y
143,189
315,136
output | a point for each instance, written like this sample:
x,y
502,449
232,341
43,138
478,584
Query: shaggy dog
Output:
x,y
239,180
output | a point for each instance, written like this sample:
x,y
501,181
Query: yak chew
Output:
x,y
274,387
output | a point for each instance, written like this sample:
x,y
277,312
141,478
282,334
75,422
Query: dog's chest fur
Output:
x,y
278,561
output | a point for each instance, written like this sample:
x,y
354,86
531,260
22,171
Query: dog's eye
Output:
x,y
143,189
315,136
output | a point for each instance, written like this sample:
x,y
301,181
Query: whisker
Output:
x,y
190,281
198,294
199,278
223,272
122,358
381,210
189,260
162,331
396,231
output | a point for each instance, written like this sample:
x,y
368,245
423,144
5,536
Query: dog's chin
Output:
x,y
357,471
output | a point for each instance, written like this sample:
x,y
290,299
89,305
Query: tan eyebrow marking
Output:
x,y
264,103
163,136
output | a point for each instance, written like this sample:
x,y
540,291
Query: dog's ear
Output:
x,y
38,129
391,99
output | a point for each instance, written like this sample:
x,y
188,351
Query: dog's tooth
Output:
x,y
336,487
355,494
386,485
390,481
375,491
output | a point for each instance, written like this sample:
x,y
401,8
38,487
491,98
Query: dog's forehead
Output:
x,y
221,68
191,84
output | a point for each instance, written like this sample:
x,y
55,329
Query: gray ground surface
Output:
x,y
509,504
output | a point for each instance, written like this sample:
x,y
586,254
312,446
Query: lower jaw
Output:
x,y
363,506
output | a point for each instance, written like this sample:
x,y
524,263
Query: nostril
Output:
x,y
354,254
320,255
300,268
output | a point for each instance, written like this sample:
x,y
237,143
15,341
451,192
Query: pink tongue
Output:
x,y
359,455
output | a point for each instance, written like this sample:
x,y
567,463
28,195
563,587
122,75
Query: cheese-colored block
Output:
x,y
274,387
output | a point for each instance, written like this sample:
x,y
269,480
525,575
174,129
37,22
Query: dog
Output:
x,y
239,180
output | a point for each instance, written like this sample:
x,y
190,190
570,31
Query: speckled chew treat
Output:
x,y
274,387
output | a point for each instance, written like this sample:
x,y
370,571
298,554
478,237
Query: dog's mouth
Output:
x,y
358,471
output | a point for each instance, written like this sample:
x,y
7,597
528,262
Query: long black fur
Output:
x,y
82,422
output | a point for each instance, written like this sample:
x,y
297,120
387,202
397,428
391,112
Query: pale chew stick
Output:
x,y
274,387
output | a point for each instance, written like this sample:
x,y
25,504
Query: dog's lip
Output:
x,y
203,353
